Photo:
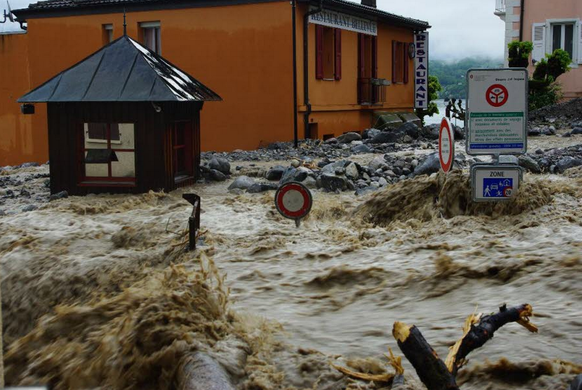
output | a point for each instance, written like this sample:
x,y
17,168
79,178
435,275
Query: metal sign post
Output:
x,y
494,181
496,119
496,123
293,200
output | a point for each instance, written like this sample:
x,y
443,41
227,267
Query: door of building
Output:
x,y
182,156
367,68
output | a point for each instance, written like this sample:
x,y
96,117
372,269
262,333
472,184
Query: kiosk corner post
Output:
x,y
193,220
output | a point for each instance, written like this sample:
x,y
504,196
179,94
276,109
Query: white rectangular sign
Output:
x,y
494,182
496,116
421,70
344,22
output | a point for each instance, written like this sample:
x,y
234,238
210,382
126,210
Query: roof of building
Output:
x,y
123,71
66,7
11,26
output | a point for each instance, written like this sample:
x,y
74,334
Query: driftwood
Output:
x,y
200,372
438,375
396,378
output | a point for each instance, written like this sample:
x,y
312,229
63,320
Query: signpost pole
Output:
x,y
1,344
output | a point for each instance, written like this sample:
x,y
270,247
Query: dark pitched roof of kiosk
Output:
x,y
50,8
123,71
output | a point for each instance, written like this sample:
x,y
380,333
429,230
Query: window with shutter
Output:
x,y
579,42
399,62
327,53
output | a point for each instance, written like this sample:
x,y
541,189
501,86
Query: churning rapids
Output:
x,y
97,291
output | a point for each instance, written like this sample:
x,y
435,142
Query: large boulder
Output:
x,y
276,172
338,167
377,163
410,129
294,174
386,137
459,132
430,131
216,175
430,165
333,183
241,182
352,171
567,162
529,164
220,164
386,120
348,137
370,133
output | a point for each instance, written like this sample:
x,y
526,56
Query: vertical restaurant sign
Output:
x,y
421,70
344,22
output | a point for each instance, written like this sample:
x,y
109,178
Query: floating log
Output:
x,y
200,372
478,329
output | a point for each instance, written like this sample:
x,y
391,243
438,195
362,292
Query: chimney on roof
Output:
x,y
369,3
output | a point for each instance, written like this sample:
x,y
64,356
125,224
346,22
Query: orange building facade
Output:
x,y
244,49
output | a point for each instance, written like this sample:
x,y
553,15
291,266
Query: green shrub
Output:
x,y
519,54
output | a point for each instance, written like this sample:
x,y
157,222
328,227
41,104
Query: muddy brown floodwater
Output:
x,y
418,252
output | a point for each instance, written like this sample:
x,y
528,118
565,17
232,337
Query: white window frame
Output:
x,y
550,23
157,27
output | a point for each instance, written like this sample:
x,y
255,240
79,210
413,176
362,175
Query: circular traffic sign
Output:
x,y
446,145
507,192
496,95
293,200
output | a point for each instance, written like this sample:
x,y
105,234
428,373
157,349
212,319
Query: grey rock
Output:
x,y
333,183
430,165
567,162
241,182
375,184
295,163
414,163
459,132
371,133
331,141
261,187
508,159
430,131
529,164
310,182
348,137
278,146
387,137
29,164
362,149
276,172
383,182
534,131
29,207
410,129
59,195
365,190
576,130
377,163
216,175
220,164
352,171
539,151
294,174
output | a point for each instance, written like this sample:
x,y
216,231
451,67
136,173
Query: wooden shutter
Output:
x,y
405,61
338,54
318,52
114,131
539,41
579,40
97,130
394,62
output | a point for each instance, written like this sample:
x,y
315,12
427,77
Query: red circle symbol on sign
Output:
x,y
293,200
446,145
497,95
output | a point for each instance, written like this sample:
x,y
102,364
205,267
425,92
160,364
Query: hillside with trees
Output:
x,y
451,75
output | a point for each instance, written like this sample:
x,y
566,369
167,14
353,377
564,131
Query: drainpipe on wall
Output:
x,y
521,12
306,66
293,21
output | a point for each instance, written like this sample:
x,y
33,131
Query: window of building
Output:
x,y
563,37
328,47
150,36
399,62
553,34
107,33
109,152
183,157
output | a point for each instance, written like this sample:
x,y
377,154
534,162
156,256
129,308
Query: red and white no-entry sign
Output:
x,y
497,95
293,200
446,145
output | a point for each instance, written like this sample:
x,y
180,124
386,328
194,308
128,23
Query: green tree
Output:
x,y
544,90
433,89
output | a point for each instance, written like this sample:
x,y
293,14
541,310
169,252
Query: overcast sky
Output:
x,y
460,28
